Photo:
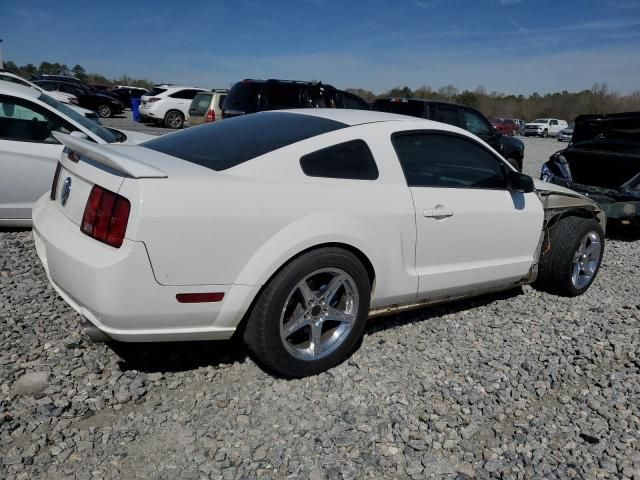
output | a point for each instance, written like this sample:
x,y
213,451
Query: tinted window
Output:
x,y
442,160
221,100
47,85
156,91
223,145
283,96
243,97
351,160
23,121
185,94
401,106
447,114
69,88
476,124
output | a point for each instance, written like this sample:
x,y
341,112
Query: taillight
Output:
x,y
211,116
153,99
105,216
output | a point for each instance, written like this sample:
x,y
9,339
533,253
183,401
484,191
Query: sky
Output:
x,y
508,46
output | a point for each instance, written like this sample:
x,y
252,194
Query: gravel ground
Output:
x,y
517,385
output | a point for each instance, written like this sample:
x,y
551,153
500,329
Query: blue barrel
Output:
x,y
135,108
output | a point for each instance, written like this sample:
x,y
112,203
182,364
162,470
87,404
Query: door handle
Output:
x,y
438,213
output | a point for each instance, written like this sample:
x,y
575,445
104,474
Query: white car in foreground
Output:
x,y
29,151
295,226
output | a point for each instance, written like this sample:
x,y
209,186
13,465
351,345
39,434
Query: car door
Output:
x,y
553,126
472,233
28,154
181,100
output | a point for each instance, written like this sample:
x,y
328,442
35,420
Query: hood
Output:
x,y
614,126
546,187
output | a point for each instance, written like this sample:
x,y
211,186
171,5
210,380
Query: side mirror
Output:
x,y
519,182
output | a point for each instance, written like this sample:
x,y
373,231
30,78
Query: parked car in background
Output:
x,y
104,105
250,96
29,150
461,116
520,123
63,97
544,127
360,213
506,126
603,162
168,104
207,106
565,134
74,80
125,94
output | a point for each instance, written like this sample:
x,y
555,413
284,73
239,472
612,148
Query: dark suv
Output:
x,y
250,96
461,116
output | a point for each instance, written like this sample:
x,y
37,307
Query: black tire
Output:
x,y
262,332
173,119
104,111
555,266
545,133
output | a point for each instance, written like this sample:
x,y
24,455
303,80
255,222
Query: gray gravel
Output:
x,y
516,385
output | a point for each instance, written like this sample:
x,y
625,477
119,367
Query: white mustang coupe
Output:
x,y
292,227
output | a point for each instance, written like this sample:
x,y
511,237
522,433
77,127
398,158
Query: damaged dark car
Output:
x,y
602,162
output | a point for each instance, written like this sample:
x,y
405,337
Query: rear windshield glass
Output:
x,y
402,107
156,91
225,144
242,97
200,104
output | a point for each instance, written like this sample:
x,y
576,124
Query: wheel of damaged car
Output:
x,y
571,256
311,314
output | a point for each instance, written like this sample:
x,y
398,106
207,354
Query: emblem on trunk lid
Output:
x,y
66,190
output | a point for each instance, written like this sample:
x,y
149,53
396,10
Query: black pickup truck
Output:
x,y
461,116
602,162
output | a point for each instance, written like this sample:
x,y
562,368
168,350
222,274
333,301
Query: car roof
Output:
x,y
11,88
356,117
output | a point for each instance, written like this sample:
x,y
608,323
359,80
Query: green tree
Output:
x,y
79,72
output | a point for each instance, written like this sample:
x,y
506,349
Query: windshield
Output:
x,y
87,123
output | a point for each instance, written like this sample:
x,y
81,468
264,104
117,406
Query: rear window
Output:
x,y
156,91
400,106
200,104
350,160
223,145
243,97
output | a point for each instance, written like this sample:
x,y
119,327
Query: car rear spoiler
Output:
x,y
108,156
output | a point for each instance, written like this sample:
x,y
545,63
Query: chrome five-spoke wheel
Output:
x,y
586,260
319,313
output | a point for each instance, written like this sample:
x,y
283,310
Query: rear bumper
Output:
x,y
116,291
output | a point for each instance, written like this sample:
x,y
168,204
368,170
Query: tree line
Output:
x,y
563,105
78,71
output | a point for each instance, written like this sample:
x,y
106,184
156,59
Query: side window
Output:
x,y
446,160
446,114
68,88
553,122
48,86
185,94
476,124
221,100
24,121
350,160
283,96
